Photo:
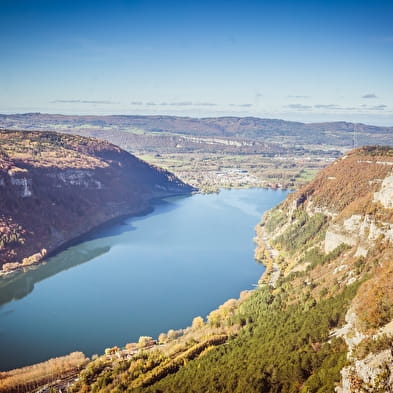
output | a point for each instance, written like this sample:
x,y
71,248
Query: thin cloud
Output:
x,y
241,105
82,102
205,104
176,103
181,103
349,108
369,95
190,103
378,107
327,106
362,107
290,96
300,107
336,107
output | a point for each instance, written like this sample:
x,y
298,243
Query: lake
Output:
x,y
138,276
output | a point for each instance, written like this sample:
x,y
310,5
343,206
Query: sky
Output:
x,y
295,60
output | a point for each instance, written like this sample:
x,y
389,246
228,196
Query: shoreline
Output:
x,y
138,213
143,211
266,255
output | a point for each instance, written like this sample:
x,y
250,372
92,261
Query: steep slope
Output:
x,y
337,232
55,187
321,319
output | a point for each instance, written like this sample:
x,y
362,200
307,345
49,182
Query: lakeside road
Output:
x,y
274,273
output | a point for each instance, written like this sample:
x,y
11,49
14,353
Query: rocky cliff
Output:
x,y
56,187
334,233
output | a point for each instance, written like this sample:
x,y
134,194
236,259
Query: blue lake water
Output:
x,y
139,276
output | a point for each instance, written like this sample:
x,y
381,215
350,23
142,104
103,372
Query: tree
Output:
x,y
145,341
197,323
162,338
172,334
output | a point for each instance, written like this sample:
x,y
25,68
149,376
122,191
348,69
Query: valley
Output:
x,y
323,326
212,153
317,321
196,196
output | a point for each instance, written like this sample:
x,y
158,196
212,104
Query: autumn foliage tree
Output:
x,y
27,379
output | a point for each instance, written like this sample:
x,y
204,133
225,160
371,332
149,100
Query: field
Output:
x,y
209,172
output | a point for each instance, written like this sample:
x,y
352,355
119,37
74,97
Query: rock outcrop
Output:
x,y
385,194
371,374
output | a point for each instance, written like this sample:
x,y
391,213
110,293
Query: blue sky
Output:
x,y
297,60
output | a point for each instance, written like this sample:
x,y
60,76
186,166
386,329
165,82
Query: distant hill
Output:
x,y
56,187
286,133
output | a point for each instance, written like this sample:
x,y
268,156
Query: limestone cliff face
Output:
x,y
55,187
385,194
358,230
372,374
335,232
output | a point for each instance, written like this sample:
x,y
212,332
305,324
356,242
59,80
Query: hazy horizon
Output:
x,y
195,117
299,61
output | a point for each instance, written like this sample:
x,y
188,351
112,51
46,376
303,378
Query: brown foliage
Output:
x,y
374,300
26,379
348,179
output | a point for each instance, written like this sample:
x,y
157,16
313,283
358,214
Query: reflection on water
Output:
x,y
20,284
98,242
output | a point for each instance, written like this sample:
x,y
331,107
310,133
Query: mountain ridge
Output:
x,y
225,126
